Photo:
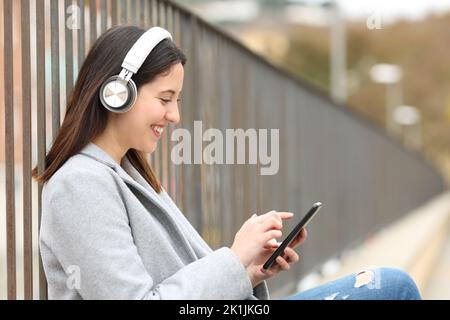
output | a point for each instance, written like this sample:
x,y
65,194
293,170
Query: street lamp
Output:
x,y
326,13
338,52
389,75
409,118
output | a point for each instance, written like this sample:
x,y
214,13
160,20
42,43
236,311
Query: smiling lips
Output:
x,y
157,130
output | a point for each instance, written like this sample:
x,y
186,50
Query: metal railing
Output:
x,y
326,153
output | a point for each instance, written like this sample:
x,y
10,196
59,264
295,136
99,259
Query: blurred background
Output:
x,y
336,44
358,89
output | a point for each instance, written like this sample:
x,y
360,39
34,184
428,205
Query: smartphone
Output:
x,y
306,219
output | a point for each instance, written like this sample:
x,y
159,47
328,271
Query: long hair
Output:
x,y
86,117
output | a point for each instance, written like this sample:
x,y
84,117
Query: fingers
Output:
x,y
252,219
272,223
273,219
299,239
273,213
261,218
284,265
272,244
271,271
285,215
267,236
283,262
290,255
304,233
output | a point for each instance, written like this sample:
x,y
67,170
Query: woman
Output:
x,y
110,231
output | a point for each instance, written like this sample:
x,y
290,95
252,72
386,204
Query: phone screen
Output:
x,y
314,209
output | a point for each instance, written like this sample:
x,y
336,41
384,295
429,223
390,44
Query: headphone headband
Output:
x,y
142,48
119,92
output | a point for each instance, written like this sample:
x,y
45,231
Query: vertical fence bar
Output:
x,y
153,12
103,15
132,14
123,12
54,21
114,12
150,4
108,14
162,150
155,156
128,11
41,113
164,140
183,42
158,4
178,170
170,164
9,150
69,54
26,152
147,12
81,33
3,227
196,178
92,22
191,192
142,13
145,4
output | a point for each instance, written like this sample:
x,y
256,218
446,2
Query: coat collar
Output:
x,y
126,171
94,151
132,177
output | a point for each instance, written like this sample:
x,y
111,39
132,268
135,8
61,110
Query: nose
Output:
x,y
173,114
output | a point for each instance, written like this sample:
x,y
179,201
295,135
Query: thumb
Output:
x,y
272,244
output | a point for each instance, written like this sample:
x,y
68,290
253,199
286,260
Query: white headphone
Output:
x,y
118,93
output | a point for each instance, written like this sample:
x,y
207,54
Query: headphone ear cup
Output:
x,y
117,95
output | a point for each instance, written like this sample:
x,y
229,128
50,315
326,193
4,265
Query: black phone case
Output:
x,y
314,209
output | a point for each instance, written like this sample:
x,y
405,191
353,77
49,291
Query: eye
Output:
x,y
165,101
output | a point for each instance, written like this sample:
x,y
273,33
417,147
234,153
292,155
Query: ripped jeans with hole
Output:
x,y
369,284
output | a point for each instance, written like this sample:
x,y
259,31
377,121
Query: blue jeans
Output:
x,y
369,284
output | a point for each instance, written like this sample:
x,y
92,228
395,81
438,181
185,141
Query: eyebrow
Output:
x,y
170,90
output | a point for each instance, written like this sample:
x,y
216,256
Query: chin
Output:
x,y
150,147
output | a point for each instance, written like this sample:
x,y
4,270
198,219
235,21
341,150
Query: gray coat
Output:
x,y
106,234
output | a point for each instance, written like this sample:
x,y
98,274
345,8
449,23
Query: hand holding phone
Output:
x,y
306,219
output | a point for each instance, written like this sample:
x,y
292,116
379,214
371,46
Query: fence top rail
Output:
x,y
317,91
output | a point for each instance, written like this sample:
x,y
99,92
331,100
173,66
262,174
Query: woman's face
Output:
x,y
156,106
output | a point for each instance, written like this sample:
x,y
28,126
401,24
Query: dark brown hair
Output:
x,y
86,117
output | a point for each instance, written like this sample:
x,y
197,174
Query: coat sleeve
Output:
x,y
261,291
85,224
